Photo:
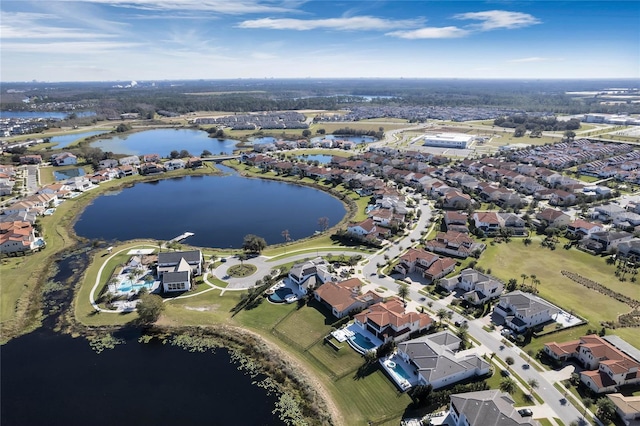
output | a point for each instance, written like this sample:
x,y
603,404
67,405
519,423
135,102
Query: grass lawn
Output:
x,y
518,396
305,326
509,260
337,363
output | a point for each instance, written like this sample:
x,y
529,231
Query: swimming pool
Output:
x,y
363,342
280,295
397,368
127,286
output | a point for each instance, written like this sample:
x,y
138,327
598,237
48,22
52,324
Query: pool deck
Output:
x,y
402,383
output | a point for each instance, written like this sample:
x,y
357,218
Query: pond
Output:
x,y
64,140
320,158
219,210
68,173
163,141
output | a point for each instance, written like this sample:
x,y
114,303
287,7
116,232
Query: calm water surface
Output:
x,y
68,173
163,141
220,210
64,140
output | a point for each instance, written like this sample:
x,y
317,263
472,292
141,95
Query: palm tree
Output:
x,y
442,313
524,277
508,385
533,384
533,277
285,234
403,291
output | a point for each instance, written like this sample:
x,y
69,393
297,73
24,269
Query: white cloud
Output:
x,y
69,47
496,19
366,23
230,7
533,59
430,32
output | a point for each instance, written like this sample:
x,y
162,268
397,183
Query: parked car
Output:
x,y
525,412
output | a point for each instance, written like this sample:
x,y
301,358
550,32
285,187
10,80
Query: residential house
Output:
x,y
429,265
132,160
151,168
194,162
483,408
604,241
108,163
127,170
561,198
607,212
553,218
457,200
31,159
626,220
582,228
64,159
310,274
389,321
478,287
606,367
345,297
436,362
151,158
522,311
175,164
79,183
487,222
627,408
629,248
456,221
176,269
454,243
18,237
367,230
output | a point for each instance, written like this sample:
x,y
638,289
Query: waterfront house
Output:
x,y
389,320
434,359
131,160
31,159
176,269
18,237
345,297
64,159
309,274
175,164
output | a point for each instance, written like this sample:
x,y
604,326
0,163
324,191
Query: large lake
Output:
x,y
163,141
219,210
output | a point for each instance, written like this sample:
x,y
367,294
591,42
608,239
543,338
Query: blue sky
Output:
x,y
103,40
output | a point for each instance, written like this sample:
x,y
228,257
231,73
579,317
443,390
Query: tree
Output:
x,y
512,284
606,410
286,236
524,277
509,360
205,153
174,154
508,385
306,133
149,308
442,313
403,291
569,135
533,384
184,153
253,244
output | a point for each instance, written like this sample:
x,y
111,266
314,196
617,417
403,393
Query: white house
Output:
x,y
175,164
307,274
524,310
436,363
175,269
132,160
478,287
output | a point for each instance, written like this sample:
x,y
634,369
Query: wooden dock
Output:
x,y
181,237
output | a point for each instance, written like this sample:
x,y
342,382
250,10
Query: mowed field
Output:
x,y
510,260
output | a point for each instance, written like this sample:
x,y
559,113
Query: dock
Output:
x,y
181,237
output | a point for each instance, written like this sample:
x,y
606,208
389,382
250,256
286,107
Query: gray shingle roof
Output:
x,y
489,408
173,257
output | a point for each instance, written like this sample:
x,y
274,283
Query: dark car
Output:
x,y
525,412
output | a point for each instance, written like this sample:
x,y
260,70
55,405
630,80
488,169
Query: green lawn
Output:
x,y
305,326
510,260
